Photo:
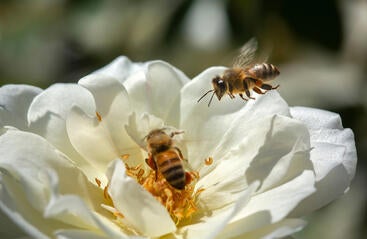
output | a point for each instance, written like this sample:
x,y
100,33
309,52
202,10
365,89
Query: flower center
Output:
x,y
180,204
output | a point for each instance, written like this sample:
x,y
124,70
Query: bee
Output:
x,y
165,158
244,76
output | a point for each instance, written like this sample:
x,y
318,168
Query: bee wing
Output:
x,y
247,54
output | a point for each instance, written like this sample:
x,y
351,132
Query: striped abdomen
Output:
x,y
264,71
170,165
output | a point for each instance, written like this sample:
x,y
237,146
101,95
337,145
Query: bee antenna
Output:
x,y
205,95
145,137
210,101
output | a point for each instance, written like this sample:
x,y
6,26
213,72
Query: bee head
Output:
x,y
219,86
158,140
219,89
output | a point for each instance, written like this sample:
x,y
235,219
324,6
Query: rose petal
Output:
x,y
283,156
271,206
29,160
83,234
72,211
157,91
316,118
64,212
280,229
137,205
80,234
333,156
274,151
14,205
120,68
113,106
47,115
139,127
210,226
85,131
35,174
14,104
326,127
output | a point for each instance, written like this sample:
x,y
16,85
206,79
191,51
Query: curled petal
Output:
x,y
120,68
139,127
42,190
84,131
326,128
156,90
113,109
105,126
17,209
275,151
14,104
46,117
210,226
271,206
333,156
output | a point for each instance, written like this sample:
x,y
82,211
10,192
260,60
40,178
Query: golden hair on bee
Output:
x,y
244,76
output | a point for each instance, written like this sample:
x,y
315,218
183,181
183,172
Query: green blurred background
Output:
x,y
320,48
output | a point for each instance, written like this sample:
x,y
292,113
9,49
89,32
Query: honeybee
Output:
x,y
165,158
244,76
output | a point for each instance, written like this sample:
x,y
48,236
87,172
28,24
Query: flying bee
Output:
x,y
166,159
245,75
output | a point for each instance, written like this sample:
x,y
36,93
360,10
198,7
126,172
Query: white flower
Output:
x,y
72,158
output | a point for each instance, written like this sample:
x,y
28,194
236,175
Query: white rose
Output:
x,y
70,158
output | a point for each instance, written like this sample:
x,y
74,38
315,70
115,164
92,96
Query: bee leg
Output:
x,y
275,87
230,91
268,87
248,94
231,95
176,132
246,87
151,163
241,95
257,90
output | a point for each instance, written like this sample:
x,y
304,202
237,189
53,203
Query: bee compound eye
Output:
x,y
216,79
221,85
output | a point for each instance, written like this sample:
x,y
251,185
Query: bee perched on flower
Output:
x,y
73,159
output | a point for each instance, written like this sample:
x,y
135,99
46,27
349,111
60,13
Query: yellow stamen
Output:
x,y
124,156
106,194
98,182
99,117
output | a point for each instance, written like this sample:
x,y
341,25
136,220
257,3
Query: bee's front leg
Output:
x,y
152,164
